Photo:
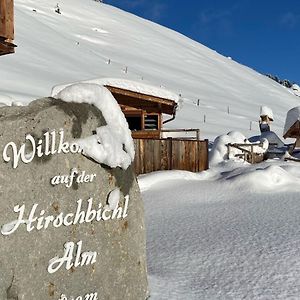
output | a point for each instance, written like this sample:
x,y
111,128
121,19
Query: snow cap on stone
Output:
x,y
112,144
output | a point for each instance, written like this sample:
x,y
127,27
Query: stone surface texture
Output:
x,y
120,270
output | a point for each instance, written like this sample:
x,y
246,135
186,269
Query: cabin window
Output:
x,y
134,122
151,122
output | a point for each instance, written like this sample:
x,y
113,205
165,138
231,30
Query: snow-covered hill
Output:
x,y
90,39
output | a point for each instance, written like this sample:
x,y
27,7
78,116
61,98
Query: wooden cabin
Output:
x,y
143,112
153,151
6,27
147,108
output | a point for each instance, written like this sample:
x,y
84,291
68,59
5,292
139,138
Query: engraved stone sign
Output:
x,y
71,228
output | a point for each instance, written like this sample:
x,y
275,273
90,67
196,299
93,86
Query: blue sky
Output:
x,y
262,34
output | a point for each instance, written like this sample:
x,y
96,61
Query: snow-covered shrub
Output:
x,y
219,151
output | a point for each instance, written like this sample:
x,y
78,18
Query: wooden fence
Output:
x,y
170,154
6,26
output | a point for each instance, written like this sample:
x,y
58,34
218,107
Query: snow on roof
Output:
x,y
271,136
125,84
266,111
292,117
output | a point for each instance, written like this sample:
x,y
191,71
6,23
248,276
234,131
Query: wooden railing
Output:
x,y
189,134
183,133
170,154
247,152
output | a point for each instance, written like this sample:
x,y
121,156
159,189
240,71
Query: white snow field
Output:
x,y
232,232
228,233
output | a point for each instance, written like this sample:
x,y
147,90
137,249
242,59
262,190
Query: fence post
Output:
x,y
170,153
7,20
136,158
228,149
203,163
198,134
207,152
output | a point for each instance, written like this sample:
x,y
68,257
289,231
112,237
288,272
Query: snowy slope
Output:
x,y
78,44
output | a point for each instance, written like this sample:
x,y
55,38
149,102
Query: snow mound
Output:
x,y
147,181
292,117
112,144
126,84
219,151
260,179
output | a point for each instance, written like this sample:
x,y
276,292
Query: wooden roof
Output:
x,y
6,27
143,101
294,131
